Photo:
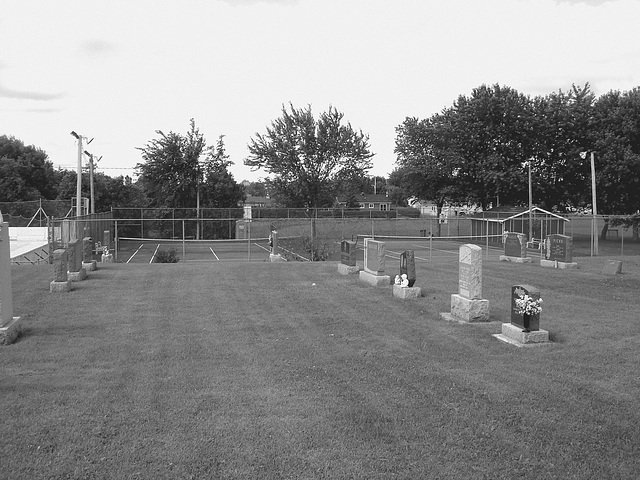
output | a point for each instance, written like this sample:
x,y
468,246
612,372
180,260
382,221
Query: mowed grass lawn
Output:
x,y
289,370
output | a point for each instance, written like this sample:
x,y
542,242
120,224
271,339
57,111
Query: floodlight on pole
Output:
x,y
594,208
79,176
530,204
91,167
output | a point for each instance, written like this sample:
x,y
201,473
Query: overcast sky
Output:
x,y
117,71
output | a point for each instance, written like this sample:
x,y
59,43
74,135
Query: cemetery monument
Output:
x,y
347,263
403,286
9,325
524,328
468,305
515,248
374,264
559,252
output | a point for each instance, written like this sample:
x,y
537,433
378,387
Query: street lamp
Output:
x,y
79,179
594,220
91,165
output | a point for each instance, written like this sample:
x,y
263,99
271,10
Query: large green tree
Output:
x,y
25,172
563,126
310,159
428,164
180,171
617,157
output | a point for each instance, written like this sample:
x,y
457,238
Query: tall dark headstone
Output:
x,y
518,319
408,266
515,245
348,253
559,248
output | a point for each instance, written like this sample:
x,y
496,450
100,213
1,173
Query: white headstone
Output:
x,y
470,271
6,294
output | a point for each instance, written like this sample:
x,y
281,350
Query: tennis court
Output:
x,y
139,250
426,249
429,249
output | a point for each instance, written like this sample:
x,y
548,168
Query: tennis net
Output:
x,y
435,246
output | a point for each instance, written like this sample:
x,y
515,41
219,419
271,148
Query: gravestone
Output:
x,y
347,263
559,252
516,332
375,253
9,325
468,305
61,282
515,248
518,319
88,262
612,267
76,273
408,268
374,263
348,253
273,244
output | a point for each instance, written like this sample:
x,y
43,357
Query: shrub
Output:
x,y
167,256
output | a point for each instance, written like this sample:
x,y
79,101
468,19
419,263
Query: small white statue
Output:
x,y
398,280
405,280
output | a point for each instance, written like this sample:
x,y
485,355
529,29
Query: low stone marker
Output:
x,y
88,263
76,273
524,328
468,305
61,282
347,263
375,253
9,325
274,256
515,248
403,286
612,267
559,252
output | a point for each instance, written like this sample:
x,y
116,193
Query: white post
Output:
x,y
531,207
93,208
79,179
593,202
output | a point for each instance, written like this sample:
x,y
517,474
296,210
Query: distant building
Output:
x,y
367,202
256,201
429,209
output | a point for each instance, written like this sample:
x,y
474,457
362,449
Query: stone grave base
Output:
x,y
348,269
107,258
556,264
375,280
60,286
514,335
466,310
506,258
612,267
10,331
91,266
406,292
276,258
78,276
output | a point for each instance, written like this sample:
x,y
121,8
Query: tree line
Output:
x,y
478,151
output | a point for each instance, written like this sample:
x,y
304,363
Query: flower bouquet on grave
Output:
x,y
402,280
527,306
